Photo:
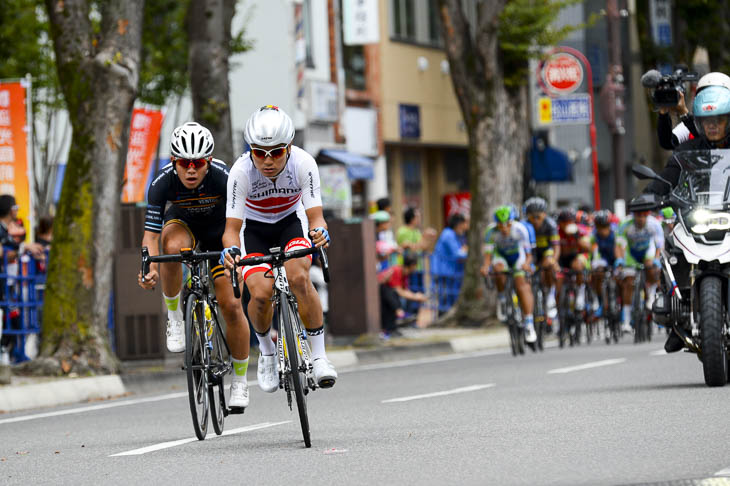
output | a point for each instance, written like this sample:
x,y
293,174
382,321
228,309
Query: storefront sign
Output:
x,y
14,176
143,137
336,189
360,22
410,121
568,110
660,15
457,202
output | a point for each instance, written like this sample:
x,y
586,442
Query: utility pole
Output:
x,y
612,93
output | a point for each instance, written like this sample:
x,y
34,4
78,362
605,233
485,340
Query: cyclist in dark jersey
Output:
x,y
547,246
195,186
574,248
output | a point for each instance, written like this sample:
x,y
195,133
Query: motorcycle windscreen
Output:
x,y
705,178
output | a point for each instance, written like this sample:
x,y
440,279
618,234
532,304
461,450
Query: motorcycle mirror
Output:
x,y
643,172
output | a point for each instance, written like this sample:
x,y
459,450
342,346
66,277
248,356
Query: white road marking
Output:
x,y
441,393
724,472
101,406
586,366
174,443
170,396
658,352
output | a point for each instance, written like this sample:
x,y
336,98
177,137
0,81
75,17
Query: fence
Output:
x,y
22,283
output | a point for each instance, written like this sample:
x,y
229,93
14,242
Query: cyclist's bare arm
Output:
x,y
316,220
232,237
152,242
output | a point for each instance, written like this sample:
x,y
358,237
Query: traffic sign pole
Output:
x,y
579,55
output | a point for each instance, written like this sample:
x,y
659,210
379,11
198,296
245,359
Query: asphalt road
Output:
x,y
594,414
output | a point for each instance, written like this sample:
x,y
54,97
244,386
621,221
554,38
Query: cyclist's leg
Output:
x,y
652,274
175,235
628,275
578,265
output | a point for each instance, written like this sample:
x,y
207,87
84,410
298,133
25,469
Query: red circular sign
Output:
x,y
562,73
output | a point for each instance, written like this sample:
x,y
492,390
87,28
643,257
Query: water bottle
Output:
x,y
208,321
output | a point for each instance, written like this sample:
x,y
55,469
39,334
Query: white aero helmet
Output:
x,y
269,126
714,79
191,141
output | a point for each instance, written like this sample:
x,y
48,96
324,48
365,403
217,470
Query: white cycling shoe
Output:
x,y
324,373
530,334
267,373
175,336
626,328
239,394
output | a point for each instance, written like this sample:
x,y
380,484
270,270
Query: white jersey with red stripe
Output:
x,y
252,195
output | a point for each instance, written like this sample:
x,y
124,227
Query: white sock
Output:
x,y
627,313
316,342
266,345
174,307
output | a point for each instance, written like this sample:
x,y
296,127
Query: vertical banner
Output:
x,y
14,147
143,137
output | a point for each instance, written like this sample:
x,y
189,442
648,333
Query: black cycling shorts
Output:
x,y
206,236
259,238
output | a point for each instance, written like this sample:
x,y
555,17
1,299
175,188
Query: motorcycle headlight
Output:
x,y
703,220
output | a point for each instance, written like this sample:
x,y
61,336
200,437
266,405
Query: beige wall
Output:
x,y
403,82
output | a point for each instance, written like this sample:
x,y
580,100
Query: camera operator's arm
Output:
x,y
668,137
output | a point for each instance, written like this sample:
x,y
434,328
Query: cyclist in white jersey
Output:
x,y
274,201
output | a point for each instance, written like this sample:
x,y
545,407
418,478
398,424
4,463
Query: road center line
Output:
x,y
586,366
441,393
174,443
658,352
725,472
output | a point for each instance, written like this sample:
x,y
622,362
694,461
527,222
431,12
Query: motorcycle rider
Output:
x,y
711,110
670,137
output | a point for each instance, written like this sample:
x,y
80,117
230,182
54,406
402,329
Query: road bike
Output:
x,y
207,356
294,355
610,305
512,313
541,318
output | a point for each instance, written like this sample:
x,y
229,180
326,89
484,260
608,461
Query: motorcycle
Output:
x,y
696,259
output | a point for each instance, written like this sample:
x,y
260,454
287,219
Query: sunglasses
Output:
x,y
274,153
187,163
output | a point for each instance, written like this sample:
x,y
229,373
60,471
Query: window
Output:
x,y
456,167
412,182
416,21
353,60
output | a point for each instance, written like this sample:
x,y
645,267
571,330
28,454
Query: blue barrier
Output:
x,y
21,299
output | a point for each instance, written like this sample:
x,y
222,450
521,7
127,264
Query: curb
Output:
x,y
60,392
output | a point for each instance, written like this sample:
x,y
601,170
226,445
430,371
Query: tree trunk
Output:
x,y
209,31
496,123
98,74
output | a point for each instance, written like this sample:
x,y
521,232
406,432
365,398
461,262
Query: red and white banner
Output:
x,y
14,147
456,202
143,137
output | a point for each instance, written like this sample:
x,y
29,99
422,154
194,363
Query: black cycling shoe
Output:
x,y
674,343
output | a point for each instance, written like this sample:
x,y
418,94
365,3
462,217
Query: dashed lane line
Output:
x,y
587,366
175,443
465,389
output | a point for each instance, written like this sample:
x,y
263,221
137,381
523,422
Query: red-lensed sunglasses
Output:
x,y
187,163
274,153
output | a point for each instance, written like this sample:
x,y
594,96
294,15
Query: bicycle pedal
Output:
x,y
236,410
327,383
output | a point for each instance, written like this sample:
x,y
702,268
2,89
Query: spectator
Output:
x,y
447,260
393,288
383,230
384,204
44,232
409,236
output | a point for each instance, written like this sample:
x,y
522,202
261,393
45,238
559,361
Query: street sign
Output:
x,y
562,73
565,110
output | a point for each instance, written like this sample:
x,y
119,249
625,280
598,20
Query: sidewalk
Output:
x,y
25,393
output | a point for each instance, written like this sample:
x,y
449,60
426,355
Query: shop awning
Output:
x,y
358,166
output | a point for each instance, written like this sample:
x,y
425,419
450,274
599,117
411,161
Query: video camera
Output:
x,y
666,88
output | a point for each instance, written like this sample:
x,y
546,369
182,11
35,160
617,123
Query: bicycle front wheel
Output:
x,y
297,377
196,359
220,366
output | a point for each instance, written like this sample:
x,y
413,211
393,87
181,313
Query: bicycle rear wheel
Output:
x,y
196,359
219,367
297,378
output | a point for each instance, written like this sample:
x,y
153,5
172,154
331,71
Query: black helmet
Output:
x,y
602,217
535,205
566,215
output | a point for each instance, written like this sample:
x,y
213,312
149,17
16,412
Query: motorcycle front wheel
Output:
x,y
714,355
